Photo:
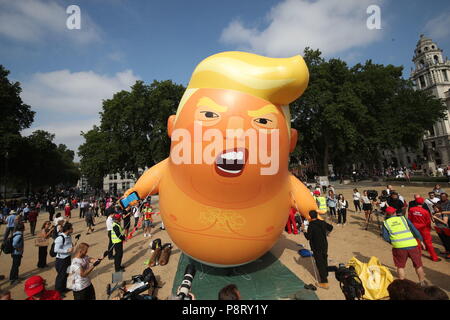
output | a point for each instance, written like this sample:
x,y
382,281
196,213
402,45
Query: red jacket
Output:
x,y
32,215
419,217
48,295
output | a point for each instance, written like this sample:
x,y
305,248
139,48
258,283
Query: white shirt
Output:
x,y
356,196
109,223
342,204
79,282
136,212
56,220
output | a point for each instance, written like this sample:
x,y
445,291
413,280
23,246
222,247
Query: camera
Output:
x,y
186,284
349,281
372,195
143,282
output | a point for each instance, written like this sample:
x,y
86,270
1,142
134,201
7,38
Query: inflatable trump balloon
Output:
x,y
225,191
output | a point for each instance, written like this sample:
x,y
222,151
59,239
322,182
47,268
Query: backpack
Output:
x,y
52,248
7,246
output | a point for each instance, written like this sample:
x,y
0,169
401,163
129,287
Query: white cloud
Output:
x,y
329,25
79,92
439,27
36,20
74,97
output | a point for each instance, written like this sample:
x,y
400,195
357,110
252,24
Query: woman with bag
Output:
x,y
42,242
78,280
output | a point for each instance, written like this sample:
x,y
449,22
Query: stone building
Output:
x,y
432,73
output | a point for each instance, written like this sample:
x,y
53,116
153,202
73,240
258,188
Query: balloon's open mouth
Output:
x,y
231,163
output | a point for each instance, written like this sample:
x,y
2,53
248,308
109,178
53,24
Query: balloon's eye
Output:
x,y
262,121
210,114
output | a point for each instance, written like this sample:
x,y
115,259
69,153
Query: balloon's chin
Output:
x,y
218,265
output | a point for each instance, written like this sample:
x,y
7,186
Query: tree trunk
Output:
x,y
326,155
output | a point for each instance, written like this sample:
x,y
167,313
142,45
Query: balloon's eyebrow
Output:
x,y
210,103
270,108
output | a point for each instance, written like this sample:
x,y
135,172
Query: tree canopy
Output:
x,y
133,131
349,115
32,162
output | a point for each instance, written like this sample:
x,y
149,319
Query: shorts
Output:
x,y
367,206
401,256
90,223
148,223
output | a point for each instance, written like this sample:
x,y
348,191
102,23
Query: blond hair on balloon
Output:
x,y
277,80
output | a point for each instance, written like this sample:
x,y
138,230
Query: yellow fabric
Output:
x,y
374,276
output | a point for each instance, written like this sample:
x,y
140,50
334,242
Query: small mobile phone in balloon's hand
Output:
x,y
126,201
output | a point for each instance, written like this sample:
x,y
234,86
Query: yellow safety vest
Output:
x,y
322,203
114,237
399,233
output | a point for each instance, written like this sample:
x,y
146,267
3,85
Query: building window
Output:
x,y
115,176
436,59
110,177
124,185
422,82
444,72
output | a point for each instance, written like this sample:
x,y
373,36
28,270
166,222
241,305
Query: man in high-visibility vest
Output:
x,y
321,202
148,220
403,236
117,238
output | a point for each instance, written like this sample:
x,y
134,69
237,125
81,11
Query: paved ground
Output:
x,y
344,243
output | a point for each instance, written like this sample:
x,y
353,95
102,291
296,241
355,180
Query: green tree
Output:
x,y
348,115
94,154
40,163
133,130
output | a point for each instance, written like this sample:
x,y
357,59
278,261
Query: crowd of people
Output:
x,y
72,263
406,226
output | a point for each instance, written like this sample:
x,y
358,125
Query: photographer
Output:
x,y
82,265
317,236
63,249
395,202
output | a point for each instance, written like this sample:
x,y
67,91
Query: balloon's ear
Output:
x,y
170,124
294,137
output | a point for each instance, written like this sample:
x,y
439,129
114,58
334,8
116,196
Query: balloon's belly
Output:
x,y
219,236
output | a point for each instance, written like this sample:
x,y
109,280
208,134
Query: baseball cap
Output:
x,y
316,192
117,216
391,210
420,200
34,285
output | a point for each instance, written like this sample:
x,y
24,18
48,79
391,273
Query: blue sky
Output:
x,y
66,73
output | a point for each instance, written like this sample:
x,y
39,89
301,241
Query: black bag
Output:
x,y
7,246
52,247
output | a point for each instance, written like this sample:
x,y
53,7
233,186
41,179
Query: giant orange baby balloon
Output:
x,y
225,191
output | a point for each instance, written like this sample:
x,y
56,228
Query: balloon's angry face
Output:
x,y
228,143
